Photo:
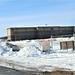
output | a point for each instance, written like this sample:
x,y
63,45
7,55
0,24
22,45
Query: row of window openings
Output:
x,y
42,32
42,29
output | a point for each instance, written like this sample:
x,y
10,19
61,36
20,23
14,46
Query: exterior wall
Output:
x,y
46,32
66,45
9,34
37,32
74,29
24,33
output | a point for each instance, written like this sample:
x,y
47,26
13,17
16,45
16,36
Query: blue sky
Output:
x,y
27,13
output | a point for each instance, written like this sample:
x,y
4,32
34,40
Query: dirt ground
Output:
x,y
8,71
59,73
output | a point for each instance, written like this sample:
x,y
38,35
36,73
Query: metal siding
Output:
x,y
39,32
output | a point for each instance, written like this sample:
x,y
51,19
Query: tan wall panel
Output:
x,y
66,45
9,34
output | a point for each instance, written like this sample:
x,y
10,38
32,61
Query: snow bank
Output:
x,y
29,50
31,56
65,39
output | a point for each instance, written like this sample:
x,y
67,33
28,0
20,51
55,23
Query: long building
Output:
x,y
22,33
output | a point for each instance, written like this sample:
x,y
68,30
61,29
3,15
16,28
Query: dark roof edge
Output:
x,y
39,27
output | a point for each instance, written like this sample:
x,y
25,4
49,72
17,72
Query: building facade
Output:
x,y
22,33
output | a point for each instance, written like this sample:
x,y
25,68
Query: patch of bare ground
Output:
x,y
59,73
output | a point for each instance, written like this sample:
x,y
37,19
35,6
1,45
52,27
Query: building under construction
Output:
x,y
22,33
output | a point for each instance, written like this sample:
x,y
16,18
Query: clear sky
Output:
x,y
35,13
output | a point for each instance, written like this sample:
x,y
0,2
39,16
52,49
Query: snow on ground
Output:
x,y
31,55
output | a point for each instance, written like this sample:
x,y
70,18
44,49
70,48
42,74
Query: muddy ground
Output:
x,y
59,73
8,71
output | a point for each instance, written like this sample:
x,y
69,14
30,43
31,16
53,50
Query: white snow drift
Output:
x,y
31,55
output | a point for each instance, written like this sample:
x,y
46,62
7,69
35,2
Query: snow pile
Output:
x,y
5,52
30,50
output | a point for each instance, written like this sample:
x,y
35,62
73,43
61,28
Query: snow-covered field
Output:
x,y
31,56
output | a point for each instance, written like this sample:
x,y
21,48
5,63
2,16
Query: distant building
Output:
x,y
3,38
22,33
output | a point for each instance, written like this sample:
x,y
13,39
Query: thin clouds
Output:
x,y
7,0
58,14
36,12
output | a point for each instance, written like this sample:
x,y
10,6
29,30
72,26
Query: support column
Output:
x,y
51,43
74,39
